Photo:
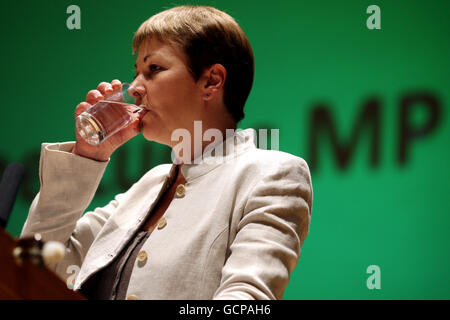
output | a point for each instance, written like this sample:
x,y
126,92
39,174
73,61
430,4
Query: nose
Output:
x,y
137,90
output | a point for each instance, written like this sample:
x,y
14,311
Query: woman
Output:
x,y
229,226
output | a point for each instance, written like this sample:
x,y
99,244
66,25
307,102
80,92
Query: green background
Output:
x,y
306,52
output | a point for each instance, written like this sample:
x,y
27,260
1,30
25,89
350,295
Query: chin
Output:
x,y
153,133
150,134
149,130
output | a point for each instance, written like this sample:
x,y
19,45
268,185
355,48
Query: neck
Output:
x,y
203,135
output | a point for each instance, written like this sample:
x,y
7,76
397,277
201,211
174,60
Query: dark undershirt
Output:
x,y
111,282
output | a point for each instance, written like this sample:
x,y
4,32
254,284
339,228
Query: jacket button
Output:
x,y
180,191
162,223
132,297
142,256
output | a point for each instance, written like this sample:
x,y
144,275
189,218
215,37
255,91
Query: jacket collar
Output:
x,y
212,157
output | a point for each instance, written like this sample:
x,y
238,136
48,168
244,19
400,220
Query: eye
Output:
x,y
154,68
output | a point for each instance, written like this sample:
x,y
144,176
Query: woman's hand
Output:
x,y
104,150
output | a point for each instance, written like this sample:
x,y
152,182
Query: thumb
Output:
x,y
82,107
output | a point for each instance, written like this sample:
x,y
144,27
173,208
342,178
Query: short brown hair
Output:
x,y
207,36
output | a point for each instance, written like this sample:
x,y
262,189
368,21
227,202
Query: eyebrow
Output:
x,y
150,54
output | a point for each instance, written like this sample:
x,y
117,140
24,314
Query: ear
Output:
x,y
212,80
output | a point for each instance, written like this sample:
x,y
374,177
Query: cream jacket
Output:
x,y
236,233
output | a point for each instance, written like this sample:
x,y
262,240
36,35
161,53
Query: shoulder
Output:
x,y
271,171
267,162
279,172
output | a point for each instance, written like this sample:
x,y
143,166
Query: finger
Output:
x,y
93,96
82,107
116,85
105,88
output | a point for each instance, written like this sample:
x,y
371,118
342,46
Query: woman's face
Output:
x,y
171,95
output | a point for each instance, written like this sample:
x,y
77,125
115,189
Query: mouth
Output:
x,y
145,107
141,114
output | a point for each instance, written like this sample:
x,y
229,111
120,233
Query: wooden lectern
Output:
x,y
26,280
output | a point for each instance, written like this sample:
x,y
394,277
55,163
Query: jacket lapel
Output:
x,y
118,230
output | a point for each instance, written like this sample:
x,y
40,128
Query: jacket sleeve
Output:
x,y
68,184
270,234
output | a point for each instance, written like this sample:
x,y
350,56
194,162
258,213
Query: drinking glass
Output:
x,y
107,117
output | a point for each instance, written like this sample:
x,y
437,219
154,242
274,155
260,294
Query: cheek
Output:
x,y
174,86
